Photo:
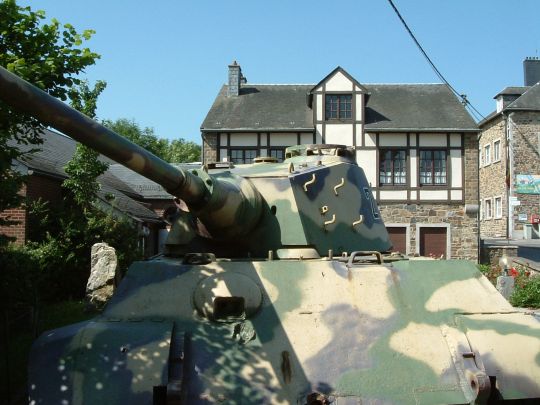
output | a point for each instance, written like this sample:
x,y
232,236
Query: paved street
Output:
x,y
528,249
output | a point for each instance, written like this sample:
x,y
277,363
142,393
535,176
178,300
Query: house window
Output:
x,y
432,167
487,209
278,154
496,151
338,106
498,207
392,167
487,154
240,156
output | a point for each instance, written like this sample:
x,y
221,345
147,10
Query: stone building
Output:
x,y
416,143
509,148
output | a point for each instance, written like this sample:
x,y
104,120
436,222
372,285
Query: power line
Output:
x,y
437,71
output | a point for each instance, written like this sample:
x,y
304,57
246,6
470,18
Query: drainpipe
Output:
x,y
510,169
478,218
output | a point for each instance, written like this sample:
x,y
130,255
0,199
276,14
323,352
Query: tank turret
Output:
x,y
318,199
276,289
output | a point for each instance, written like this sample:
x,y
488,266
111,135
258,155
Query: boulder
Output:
x,y
100,285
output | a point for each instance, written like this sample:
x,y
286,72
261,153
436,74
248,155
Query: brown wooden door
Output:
x,y
433,242
398,236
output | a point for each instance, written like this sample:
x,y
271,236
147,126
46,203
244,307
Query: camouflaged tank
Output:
x,y
273,290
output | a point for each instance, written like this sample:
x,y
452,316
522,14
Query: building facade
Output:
x,y
44,171
509,149
415,142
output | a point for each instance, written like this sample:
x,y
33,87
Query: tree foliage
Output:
x,y
182,151
84,167
48,55
55,261
175,151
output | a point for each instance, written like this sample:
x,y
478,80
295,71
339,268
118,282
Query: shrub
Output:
x,y
527,291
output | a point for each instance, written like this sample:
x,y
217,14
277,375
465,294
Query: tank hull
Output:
x,y
420,331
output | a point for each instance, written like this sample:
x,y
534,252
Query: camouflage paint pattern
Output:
x,y
300,327
399,333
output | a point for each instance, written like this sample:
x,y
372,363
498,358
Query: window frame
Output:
x,y
487,156
338,107
277,149
497,158
496,213
488,214
446,167
393,150
243,150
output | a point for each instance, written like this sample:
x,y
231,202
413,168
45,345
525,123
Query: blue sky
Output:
x,y
164,61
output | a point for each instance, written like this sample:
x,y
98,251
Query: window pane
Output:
x,y
439,167
237,156
426,167
392,167
250,154
399,167
338,106
278,154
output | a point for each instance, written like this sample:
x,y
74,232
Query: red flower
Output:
x,y
514,272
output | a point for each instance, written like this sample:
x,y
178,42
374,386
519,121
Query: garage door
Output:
x,y
433,242
398,236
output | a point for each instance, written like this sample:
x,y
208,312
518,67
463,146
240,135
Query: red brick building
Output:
x,y
133,196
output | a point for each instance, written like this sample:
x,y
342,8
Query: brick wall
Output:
x,y
37,186
46,188
210,142
493,179
158,206
17,231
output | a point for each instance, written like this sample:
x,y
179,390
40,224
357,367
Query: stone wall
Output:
x,y
463,227
525,132
492,180
210,143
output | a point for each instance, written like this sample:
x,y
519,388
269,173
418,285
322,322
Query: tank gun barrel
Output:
x,y
217,203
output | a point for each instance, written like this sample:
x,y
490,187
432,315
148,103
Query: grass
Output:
x,y
13,378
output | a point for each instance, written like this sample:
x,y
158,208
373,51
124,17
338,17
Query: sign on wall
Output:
x,y
527,184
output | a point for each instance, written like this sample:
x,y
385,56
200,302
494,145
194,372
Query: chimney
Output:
x,y
235,80
531,71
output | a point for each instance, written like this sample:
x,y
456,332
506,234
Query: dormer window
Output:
x,y
338,107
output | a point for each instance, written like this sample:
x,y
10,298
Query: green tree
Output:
x,y
175,151
182,151
49,55
144,137
84,167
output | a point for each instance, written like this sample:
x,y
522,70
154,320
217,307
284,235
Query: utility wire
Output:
x,y
437,71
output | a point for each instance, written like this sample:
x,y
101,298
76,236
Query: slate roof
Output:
x,y
529,100
55,152
423,107
144,187
512,91
261,107
390,107
52,155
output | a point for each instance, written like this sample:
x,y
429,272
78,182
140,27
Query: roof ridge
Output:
x,y
365,84
533,87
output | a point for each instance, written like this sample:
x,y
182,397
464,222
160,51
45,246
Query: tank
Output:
x,y
276,287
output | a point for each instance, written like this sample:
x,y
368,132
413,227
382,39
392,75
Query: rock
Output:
x,y
505,285
100,285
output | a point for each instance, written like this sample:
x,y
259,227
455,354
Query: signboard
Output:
x,y
527,184
522,217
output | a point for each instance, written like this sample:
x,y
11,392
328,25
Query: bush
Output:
x,y
527,291
20,277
